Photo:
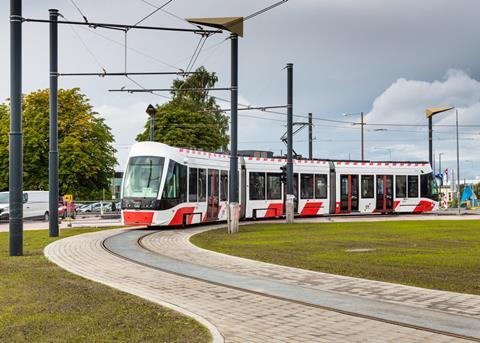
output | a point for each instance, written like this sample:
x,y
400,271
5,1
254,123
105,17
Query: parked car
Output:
x,y
35,205
90,208
108,207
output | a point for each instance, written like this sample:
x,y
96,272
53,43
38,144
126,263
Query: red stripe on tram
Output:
x,y
274,210
137,218
179,214
424,206
311,208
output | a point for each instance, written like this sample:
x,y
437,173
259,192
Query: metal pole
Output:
x,y
290,128
152,127
440,163
233,179
290,194
434,161
363,149
430,140
310,136
16,144
458,164
53,155
440,167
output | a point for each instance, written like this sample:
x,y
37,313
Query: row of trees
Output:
x,y
192,118
86,153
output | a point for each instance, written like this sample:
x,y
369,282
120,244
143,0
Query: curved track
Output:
x,y
245,300
423,319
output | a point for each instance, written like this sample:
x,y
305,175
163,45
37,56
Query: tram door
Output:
x,y
213,194
348,193
384,193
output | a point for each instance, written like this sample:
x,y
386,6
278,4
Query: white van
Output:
x,y
35,205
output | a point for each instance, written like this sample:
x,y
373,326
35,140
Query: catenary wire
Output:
x,y
79,10
199,52
172,14
97,61
133,49
194,53
153,12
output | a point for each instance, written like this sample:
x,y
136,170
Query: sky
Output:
x,y
388,59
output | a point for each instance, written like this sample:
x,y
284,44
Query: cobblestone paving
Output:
x,y
176,244
239,316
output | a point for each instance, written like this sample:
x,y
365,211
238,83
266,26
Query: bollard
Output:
x,y
290,207
233,217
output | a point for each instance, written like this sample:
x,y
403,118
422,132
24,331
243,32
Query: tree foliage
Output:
x,y
192,118
86,154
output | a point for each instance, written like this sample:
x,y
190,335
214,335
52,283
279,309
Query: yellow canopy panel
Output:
x,y
435,110
232,24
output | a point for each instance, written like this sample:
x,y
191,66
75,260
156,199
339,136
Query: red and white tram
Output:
x,y
164,185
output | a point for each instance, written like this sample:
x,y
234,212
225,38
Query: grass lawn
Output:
x,y
432,254
40,302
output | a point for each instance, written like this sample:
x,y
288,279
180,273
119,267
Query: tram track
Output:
x,y
139,244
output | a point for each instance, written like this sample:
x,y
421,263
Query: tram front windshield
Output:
x,y
143,177
429,187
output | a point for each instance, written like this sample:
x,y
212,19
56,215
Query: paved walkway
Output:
x,y
91,221
238,315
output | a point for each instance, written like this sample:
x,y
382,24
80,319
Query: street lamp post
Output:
x,y
458,163
235,26
151,111
362,139
429,113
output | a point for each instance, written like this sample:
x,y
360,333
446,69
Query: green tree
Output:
x,y
192,118
86,154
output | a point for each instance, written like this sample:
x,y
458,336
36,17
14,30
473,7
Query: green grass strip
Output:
x,y
40,302
441,255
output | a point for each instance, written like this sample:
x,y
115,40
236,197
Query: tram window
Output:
x,y
274,186
192,183
176,182
257,186
306,186
401,186
320,186
223,185
202,185
368,186
413,186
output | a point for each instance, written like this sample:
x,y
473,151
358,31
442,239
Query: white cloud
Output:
x,y
405,101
